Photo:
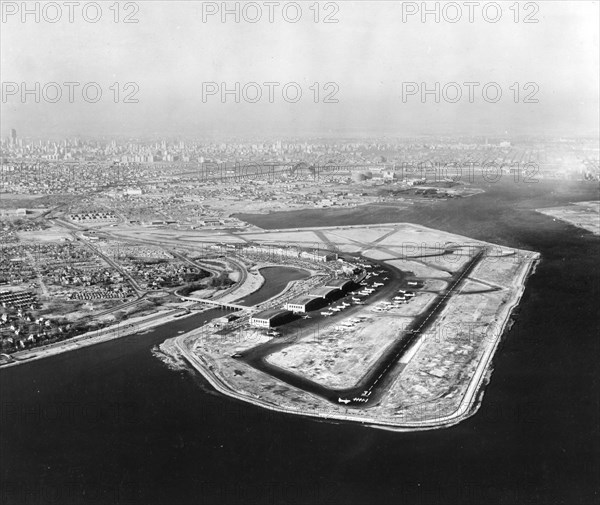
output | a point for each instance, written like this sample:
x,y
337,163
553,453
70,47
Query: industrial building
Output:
x,y
271,318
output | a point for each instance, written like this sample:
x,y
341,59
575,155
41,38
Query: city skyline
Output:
x,y
299,252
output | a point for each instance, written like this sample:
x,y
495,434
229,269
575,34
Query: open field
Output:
x,y
584,215
53,234
338,356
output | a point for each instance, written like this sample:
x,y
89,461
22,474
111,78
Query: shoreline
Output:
x,y
92,338
573,218
468,406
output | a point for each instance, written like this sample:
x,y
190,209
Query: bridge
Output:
x,y
214,303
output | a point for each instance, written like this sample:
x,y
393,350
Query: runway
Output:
x,y
378,378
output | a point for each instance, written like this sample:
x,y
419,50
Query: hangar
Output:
x,y
342,284
323,292
303,303
270,318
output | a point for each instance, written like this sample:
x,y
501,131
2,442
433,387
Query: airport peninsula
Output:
x,y
393,326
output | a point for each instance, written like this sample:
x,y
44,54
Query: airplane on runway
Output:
x,y
343,400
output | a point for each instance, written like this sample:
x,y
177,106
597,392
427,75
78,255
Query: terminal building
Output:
x,y
271,318
320,256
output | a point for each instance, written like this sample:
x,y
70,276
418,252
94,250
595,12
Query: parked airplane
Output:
x,y
343,400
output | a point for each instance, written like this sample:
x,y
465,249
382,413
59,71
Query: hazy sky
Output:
x,y
369,53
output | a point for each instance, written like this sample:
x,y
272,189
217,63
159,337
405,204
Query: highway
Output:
x,y
378,379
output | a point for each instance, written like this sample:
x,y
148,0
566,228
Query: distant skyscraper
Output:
x,y
13,137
